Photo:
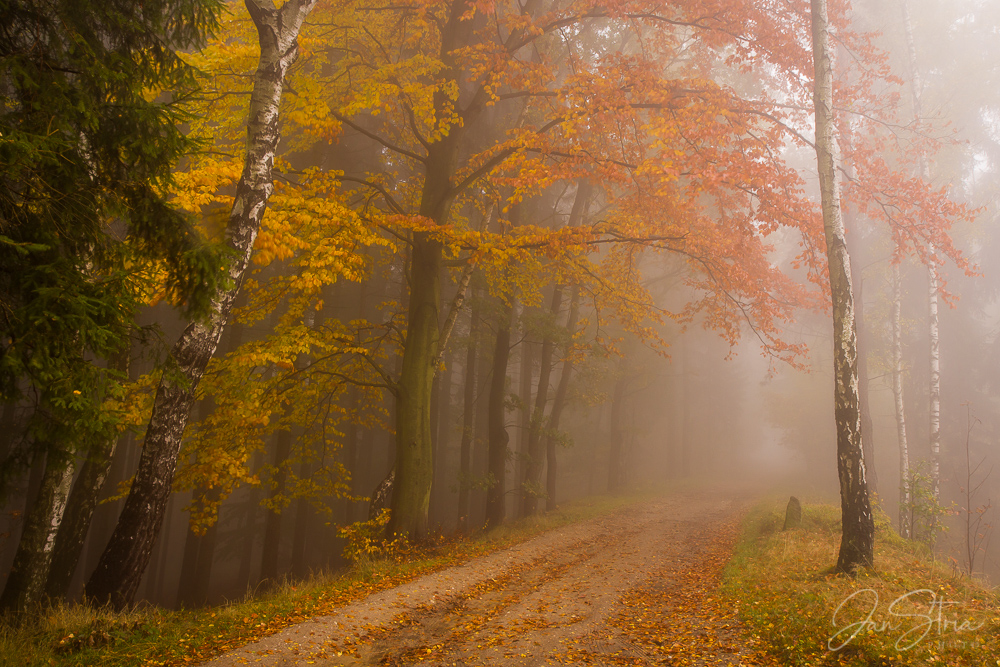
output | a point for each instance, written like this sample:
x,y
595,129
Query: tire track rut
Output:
x,y
562,597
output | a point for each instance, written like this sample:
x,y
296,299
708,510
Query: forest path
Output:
x,y
637,587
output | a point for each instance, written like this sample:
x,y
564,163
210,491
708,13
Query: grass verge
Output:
x,y
78,636
909,610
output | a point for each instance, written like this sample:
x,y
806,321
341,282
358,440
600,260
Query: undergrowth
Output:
x,y
73,635
908,610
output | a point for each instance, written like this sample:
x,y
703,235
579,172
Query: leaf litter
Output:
x,y
637,587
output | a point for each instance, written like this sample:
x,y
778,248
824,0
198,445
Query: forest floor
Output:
x,y
636,587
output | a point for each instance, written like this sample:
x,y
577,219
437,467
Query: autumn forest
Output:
x,y
288,287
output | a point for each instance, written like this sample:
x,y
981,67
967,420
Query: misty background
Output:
x,y
701,410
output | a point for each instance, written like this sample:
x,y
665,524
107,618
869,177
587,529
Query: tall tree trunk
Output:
x,y
934,339
442,440
855,245
155,582
414,464
468,421
524,418
26,581
352,437
186,590
616,464
120,569
81,505
367,464
414,447
858,528
272,522
303,519
106,515
933,280
206,561
68,554
199,556
534,458
496,494
248,527
558,404
897,394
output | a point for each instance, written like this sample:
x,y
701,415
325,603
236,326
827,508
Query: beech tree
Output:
x,y
611,116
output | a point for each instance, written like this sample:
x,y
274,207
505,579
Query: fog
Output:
x,y
288,447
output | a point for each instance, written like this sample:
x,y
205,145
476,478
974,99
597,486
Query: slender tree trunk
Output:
x,y
367,460
248,530
186,591
855,245
933,335
456,305
858,528
468,421
558,404
352,437
80,510
897,393
616,465
496,494
196,564
683,428
205,564
124,561
933,280
106,515
272,522
524,418
535,458
81,505
303,519
442,440
26,581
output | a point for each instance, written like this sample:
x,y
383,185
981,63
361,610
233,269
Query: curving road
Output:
x,y
632,588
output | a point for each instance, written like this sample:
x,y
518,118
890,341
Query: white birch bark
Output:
x,y
897,393
127,554
29,573
857,538
933,280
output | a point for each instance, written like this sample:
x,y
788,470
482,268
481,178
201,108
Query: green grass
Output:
x,y
783,585
76,635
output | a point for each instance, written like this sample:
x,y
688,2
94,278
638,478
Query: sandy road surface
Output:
x,y
635,587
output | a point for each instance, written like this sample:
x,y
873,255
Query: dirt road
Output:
x,y
636,587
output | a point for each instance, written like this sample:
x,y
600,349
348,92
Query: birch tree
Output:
x,y
123,562
933,281
858,528
905,529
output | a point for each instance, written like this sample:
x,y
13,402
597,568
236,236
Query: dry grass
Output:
x,y
909,610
